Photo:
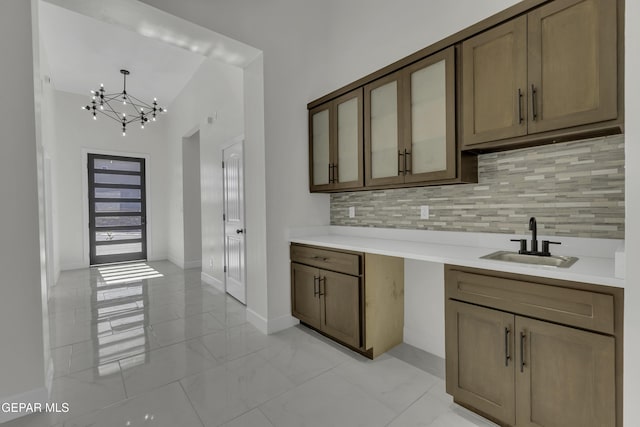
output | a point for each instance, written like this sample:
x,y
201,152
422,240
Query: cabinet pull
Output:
x,y
507,354
402,166
407,170
534,102
320,280
335,173
316,281
523,336
520,118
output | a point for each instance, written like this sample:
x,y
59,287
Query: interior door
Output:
x,y
117,209
234,230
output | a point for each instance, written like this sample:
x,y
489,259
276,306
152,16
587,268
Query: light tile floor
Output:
x,y
151,345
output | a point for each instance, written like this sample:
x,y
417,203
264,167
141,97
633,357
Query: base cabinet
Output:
x,y
354,298
526,372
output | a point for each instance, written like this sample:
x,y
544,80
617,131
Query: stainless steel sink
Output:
x,y
552,261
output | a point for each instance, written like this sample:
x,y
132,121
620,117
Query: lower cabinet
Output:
x,y
521,371
327,301
354,298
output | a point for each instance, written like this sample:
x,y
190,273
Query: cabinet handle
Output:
x,y
402,166
335,172
523,336
407,170
320,280
534,102
316,280
520,118
507,354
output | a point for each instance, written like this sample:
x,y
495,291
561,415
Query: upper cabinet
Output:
x,y
410,123
552,69
335,144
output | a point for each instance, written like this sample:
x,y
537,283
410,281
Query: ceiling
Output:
x,y
87,43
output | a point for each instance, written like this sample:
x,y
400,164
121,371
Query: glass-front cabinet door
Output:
x,y
384,155
320,148
335,135
430,139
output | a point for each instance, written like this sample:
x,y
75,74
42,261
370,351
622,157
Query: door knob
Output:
x,y
239,231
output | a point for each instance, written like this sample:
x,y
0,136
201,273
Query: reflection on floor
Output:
x,y
151,345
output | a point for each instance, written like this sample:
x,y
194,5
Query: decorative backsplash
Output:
x,y
573,189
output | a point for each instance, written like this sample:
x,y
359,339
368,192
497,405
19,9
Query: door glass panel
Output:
x,y
125,248
116,165
115,221
321,147
348,141
118,206
103,178
117,193
109,235
384,130
429,119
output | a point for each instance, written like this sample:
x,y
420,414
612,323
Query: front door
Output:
x,y
117,209
234,230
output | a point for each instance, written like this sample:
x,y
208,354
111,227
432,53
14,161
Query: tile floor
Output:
x,y
151,345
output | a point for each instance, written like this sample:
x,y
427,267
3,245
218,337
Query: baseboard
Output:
x,y
272,326
39,395
281,323
418,339
428,362
258,321
73,266
193,264
210,280
176,261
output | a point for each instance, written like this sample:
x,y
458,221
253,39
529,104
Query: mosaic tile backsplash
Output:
x,y
573,189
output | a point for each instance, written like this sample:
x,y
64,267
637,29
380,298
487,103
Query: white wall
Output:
x,y
214,91
77,133
191,201
21,328
424,306
632,216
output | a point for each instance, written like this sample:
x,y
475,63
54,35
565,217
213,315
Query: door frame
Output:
x,y
229,143
85,199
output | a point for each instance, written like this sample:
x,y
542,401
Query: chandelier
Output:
x,y
138,111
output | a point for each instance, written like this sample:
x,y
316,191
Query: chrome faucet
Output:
x,y
533,227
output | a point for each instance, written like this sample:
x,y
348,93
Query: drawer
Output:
x,y
327,259
573,307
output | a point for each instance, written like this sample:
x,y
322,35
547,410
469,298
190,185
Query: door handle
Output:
x,y
520,118
507,354
401,169
239,231
523,336
534,102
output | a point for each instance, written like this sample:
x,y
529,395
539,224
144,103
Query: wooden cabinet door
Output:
x,y
494,83
572,63
383,131
347,149
429,122
340,311
320,131
305,290
479,357
567,379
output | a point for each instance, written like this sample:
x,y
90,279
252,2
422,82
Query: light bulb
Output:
x,y
141,126
124,133
94,117
124,114
102,107
154,119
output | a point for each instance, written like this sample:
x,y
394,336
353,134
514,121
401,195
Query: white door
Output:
x,y
234,231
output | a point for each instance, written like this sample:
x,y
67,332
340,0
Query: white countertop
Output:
x,y
596,263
